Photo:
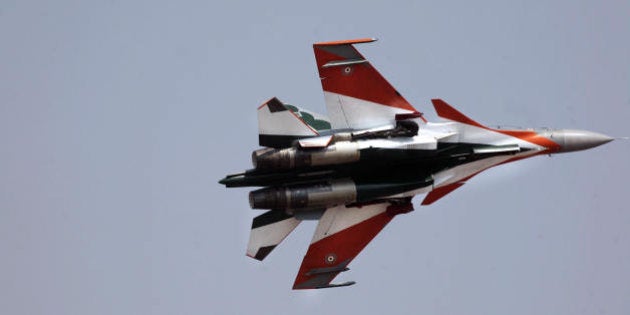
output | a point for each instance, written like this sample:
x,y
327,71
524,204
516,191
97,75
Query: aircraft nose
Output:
x,y
576,140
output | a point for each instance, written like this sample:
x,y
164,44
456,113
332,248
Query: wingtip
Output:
x,y
347,41
262,252
337,285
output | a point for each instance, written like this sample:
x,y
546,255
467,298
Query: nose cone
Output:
x,y
576,140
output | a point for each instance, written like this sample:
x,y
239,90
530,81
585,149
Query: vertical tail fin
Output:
x,y
268,230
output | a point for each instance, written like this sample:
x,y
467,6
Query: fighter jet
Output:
x,y
358,169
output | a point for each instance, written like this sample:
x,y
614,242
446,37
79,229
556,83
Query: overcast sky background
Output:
x,y
118,118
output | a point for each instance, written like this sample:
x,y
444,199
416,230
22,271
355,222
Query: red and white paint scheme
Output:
x,y
361,167
357,96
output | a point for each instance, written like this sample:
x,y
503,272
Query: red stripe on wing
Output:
x,y
336,251
360,81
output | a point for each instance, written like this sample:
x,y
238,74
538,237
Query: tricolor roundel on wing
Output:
x,y
341,235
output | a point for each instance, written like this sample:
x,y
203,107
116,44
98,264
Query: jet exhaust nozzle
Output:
x,y
331,193
304,196
292,158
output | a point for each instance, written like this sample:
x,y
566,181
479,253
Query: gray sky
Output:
x,y
118,118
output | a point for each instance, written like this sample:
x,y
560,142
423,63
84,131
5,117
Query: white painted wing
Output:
x,y
356,94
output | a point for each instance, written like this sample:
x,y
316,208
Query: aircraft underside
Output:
x,y
360,167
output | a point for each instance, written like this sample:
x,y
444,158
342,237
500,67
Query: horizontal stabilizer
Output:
x,y
268,230
279,124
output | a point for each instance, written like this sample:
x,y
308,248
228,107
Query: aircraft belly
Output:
x,y
457,173
361,169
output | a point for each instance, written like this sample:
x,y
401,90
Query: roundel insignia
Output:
x,y
331,258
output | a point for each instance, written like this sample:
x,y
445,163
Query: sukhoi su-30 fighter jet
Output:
x,y
360,168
